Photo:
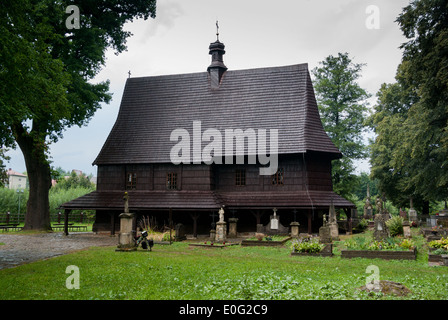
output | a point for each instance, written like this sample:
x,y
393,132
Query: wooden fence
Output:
x,y
80,217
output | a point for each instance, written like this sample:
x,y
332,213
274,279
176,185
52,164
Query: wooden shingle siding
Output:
x,y
279,98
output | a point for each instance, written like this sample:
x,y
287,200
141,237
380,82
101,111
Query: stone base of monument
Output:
x,y
221,230
334,231
233,227
126,237
325,235
295,229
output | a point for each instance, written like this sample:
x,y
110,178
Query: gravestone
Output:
x,y
180,232
380,229
406,229
274,227
379,205
325,233
403,214
274,220
333,223
221,227
368,209
412,213
294,229
126,237
233,227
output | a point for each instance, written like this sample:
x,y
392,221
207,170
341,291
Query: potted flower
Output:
x,y
434,230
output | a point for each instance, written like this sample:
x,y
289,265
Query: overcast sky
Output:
x,y
256,33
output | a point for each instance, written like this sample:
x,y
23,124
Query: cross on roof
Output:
x,y
217,30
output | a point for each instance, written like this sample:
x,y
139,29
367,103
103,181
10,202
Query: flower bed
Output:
x,y
436,249
268,241
439,244
311,247
390,248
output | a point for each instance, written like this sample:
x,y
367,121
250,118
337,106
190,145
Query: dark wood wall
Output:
x,y
293,176
313,169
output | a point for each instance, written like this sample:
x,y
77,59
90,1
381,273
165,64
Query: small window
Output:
x,y
277,178
131,181
240,177
171,181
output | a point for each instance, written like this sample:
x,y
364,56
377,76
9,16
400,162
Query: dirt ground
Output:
x,y
17,249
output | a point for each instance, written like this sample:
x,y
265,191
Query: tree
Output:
x,y
388,123
3,174
410,153
424,149
74,180
342,106
46,73
364,181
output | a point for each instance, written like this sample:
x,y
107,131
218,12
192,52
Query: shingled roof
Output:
x,y
206,200
264,98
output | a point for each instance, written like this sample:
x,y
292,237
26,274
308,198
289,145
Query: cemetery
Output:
x,y
175,218
412,263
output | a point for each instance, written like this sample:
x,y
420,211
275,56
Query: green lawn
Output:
x,y
182,272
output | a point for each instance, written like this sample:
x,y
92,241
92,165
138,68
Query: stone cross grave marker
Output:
x,y
274,220
381,231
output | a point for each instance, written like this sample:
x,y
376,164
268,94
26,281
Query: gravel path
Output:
x,y
20,249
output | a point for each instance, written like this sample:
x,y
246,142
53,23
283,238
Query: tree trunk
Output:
x,y
39,176
425,210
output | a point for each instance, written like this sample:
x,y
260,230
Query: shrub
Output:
x,y
407,244
363,224
395,225
307,246
386,244
439,244
440,251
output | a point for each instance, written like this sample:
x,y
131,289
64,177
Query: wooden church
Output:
x,y
137,156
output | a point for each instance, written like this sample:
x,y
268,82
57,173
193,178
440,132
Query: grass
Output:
x,y
178,271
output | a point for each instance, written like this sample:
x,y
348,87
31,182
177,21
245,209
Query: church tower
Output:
x,y
217,67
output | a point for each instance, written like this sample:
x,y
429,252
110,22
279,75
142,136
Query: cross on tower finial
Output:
x,y
129,73
217,31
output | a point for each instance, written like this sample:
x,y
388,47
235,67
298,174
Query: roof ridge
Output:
x,y
299,66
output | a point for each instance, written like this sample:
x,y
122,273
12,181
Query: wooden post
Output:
x,y
66,213
309,222
257,214
195,217
171,223
112,224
